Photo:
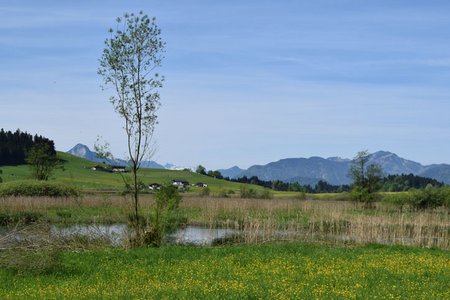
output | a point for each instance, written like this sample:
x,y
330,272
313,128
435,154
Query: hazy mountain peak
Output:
x,y
338,159
334,170
232,172
83,151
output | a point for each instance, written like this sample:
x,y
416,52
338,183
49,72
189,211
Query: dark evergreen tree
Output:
x,y
14,146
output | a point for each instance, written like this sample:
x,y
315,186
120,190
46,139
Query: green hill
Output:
x,y
77,171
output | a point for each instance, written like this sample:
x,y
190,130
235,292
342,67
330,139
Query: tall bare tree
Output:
x,y
129,64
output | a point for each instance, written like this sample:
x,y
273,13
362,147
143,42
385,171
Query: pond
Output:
x,y
117,234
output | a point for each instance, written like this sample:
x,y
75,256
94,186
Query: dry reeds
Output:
x,y
310,220
261,220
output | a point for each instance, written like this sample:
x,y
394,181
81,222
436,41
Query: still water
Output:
x,y
117,234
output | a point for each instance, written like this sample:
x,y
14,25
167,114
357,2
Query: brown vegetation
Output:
x,y
262,220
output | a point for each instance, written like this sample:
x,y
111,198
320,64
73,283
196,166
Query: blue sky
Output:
x,y
247,82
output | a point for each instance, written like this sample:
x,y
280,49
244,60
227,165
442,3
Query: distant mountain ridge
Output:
x,y
334,170
83,151
231,172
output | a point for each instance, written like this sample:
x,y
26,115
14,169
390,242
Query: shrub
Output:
x,y
429,197
445,193
167,200
301,196
223,194
266,194
19,217
360,194
37,188
247,192
204,192
398,199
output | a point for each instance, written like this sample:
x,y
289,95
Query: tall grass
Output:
x,y
332,221
263,220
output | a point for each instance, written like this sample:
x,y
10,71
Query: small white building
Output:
x,y
180,183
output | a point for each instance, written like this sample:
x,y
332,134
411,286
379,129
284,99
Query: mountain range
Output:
x,y
83,151
335,170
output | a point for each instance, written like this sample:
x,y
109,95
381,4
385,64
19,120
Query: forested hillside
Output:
x,y
14,146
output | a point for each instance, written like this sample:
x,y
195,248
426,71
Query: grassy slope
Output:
x,y
271,271
77,171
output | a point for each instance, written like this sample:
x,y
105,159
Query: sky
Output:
x,y
247,81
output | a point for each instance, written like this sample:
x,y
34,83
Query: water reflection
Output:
x,y
118,234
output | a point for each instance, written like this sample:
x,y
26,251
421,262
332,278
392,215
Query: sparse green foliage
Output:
x,y
429,197
128,64
42,161
204,192
366,178
248,192
167,200
1,172
301,196
215,174
37,189
201,170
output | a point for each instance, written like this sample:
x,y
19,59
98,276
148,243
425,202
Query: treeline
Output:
x,y
404,182
278,185
390,183
14,146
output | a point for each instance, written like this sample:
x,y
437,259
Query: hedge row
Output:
x,y
420,199
37,189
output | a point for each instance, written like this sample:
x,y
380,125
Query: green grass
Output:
x,y
77,172
271,271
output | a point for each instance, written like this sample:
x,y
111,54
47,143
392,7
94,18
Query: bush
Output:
x,y
301,196
167,200
37,188
223,194
399,199
363,195
266,194
429,197
445,194
204,192
247,192
19,217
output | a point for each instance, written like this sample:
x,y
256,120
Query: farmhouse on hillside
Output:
x,y
180,183
154,186
118,168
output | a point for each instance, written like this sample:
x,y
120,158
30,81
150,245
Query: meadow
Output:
x,y
269,271
77,172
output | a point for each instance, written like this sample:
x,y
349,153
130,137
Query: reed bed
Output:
x,y
263,220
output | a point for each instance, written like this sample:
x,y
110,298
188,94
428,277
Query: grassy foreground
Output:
x,y
277,271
